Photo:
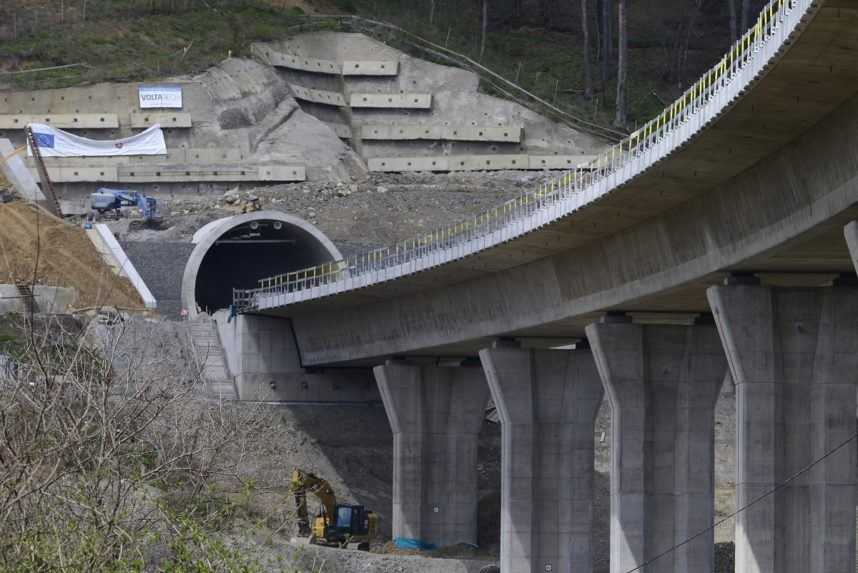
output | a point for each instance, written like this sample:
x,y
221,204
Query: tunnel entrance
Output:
x,y
251,250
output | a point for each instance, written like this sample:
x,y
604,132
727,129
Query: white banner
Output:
x,y
54,142
154,97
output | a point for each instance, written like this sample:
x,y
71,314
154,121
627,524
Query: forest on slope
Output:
x,y
613,62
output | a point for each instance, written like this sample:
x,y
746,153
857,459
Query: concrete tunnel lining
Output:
x,y
235,252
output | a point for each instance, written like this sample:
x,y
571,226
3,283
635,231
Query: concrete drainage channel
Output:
x,y
116,258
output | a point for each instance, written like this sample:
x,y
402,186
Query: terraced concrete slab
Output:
x,y
104,173
174,156
149,173
475,163
352,67
163,118
385,68
392,101
559,161
222,173
303,63
324,97
434,132
61,120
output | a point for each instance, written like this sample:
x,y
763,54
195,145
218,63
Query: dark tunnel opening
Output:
x,y
253,251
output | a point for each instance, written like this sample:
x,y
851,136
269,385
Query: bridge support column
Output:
x,y
663,383
793,354
547,401
436,414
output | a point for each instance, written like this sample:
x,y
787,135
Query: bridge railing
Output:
x,y
372,264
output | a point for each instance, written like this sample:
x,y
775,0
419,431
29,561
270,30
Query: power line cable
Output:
x,y
753,502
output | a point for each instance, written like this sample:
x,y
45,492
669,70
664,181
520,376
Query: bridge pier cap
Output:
x,y
235,252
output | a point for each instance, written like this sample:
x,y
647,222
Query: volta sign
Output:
x,y
160,97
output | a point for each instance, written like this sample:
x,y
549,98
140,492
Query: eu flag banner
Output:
x,y
55,142
44,140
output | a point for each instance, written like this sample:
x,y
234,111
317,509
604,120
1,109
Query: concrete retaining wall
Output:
x,y
424,112
240,109
262,354
104,241
16,172
48,299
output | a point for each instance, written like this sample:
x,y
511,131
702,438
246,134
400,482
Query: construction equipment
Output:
x,y
349,526
51,202
105,200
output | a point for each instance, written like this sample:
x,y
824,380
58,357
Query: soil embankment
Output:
x,y
37,248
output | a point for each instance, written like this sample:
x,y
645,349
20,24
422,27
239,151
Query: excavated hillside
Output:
x,y
36,247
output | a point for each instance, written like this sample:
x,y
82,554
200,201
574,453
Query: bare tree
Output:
x,y
734,24
622,63
588,72
516,11
92,429
746,15
607,40
485,26
683,41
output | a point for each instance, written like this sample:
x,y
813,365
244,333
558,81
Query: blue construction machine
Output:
x,y
105,200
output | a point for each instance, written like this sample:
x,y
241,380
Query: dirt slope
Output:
x,y
61,255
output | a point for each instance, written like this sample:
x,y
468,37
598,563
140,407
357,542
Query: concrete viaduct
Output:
x,y
710,241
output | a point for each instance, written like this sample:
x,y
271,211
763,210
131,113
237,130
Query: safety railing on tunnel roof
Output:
x,y
373,264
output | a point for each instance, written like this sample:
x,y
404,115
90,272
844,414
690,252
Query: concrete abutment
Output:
x,y
793,354
263,359
547,401
435,414
663,383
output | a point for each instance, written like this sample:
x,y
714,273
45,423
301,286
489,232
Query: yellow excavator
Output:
x,y
335,525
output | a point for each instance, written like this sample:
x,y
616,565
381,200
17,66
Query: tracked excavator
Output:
x,y
335,525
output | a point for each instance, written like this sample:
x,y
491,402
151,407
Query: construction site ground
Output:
x,y
376,211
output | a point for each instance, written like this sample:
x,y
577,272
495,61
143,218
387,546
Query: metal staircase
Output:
x,y
208,351
28,298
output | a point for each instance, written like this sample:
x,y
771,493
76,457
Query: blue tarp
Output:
x,y
417,544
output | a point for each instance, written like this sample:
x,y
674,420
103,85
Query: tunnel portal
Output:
x,y
239,251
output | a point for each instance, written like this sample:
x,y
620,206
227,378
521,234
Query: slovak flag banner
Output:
x,y
54,142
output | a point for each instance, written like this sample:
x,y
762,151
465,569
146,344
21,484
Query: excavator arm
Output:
x,y
304,483
349,526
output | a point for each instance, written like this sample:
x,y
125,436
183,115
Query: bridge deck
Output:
x,y
763,182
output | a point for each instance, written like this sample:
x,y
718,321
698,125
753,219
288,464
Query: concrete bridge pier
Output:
x,y
794,356
547,401
435,414
663,383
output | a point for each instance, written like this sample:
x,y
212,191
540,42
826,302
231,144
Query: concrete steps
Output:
x,y
208,352
26,293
